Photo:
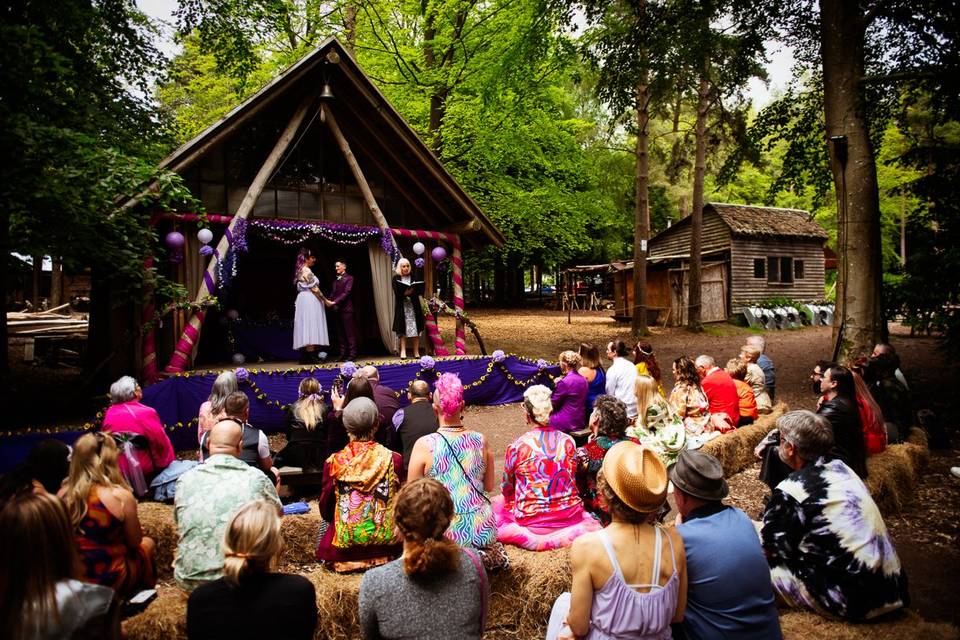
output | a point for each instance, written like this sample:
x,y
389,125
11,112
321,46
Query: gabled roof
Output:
x,y
748,220
360,106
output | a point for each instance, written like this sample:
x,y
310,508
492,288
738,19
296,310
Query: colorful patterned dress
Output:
x,y
664,431
589,462
828,547
691,404
473,524
106,558
540,507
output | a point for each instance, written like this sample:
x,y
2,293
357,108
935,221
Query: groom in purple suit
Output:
x,y
340,301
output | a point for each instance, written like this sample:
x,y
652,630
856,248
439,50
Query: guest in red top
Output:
x,y
737,369
720,389
127,415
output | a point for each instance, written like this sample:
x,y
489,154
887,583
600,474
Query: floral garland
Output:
x,y
437,306
291,232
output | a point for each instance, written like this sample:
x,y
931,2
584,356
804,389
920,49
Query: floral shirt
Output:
x,y
691,404
589,462
828,546
539,473
207,497
664,431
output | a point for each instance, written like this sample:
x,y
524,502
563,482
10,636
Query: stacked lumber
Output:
x,y
47,324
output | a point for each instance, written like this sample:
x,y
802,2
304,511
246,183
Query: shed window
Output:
x,y
780,269
798,269
759,268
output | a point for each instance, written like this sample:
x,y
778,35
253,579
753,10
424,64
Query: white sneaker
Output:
x,y
955,471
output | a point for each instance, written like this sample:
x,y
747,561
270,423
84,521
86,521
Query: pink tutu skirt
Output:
x,y
543,534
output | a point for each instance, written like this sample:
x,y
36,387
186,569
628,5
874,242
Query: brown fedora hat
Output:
x,y
636,475
700,475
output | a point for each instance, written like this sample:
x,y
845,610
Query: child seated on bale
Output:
x,y
540,508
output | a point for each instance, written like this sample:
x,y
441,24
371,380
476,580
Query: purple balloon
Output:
x,y
175,240
439,254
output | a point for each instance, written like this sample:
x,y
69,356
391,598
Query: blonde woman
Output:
x,y
306,430
657,426
755,378
103,512
570,397
250,600
407,310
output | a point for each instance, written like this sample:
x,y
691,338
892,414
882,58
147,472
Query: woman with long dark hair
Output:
x,y
646,362
309,320
687,398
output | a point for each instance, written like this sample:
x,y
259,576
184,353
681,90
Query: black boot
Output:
x,y
304,357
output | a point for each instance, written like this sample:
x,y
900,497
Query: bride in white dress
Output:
x,y
310,318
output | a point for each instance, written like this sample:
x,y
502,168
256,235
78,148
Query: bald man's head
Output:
x,y
370,373
225,437
419,390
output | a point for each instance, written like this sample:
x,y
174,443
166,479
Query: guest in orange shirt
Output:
x,y
748,402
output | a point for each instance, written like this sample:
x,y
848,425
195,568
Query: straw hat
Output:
x,y
636,476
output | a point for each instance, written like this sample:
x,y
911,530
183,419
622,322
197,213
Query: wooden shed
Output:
x,y
749,254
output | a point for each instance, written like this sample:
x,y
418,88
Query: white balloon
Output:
x,y
418,248
233,314
238,358
205,236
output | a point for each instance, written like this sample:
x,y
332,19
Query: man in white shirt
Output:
x,y
622,376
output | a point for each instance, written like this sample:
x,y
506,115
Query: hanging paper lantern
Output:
x,y
205,236
239,358
206,250
233,314
419,262
439,254
175,240
418,248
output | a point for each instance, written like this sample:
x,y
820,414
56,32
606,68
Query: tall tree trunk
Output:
x,y
696,215
5,257
350,25
642,210
37,277
859,276
56,283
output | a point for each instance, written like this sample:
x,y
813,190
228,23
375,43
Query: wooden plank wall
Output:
x,y
675,241
658,291
746,288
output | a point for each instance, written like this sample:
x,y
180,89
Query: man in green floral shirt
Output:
x,y
207,496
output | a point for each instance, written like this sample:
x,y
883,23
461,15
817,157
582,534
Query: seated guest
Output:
x,y
357,387
250,600
687,398
882,348
721,393
539,507
839,407
436,590
728,579
628,582
647,364
41,597
570,397
114,551
756,379
827,545
43,470
656,426
206,497
592,372
608,424
737,369
306,433
417,419
892,395
254,448
871,416
461,460
128,418
621,375
360,484
212,411
766,364
386,400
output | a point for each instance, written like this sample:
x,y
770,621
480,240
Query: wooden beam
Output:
x,y
469,226
326,115
185,345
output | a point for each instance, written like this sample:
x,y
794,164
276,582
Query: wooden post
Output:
x,y
191,333
37,277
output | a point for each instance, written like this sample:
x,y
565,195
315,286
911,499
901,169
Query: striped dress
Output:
x,y
473,524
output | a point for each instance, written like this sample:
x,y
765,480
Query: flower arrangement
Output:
x,y
428,363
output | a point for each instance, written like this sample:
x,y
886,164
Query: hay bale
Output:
x,y
734,450
299,535
521,598
156,520
337,604
165,618
802,625
892,476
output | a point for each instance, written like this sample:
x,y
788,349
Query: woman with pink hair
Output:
x,y
460,459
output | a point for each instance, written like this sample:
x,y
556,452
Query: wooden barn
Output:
x,y
318,158
749,254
